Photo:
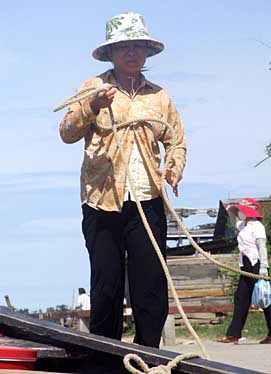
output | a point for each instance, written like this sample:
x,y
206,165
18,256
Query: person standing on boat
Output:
x,y
111,222
253,259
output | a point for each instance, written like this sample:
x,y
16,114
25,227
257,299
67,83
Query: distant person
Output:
x,y
253,258
83,302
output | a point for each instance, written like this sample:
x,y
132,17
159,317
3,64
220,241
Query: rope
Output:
x,y
153,240
160,369
88,91
132,124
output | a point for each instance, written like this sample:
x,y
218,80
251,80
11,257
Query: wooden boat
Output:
x,y
65,350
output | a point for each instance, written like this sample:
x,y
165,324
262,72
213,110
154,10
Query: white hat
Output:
x,y
123,27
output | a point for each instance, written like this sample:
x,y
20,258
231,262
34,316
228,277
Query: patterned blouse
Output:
x,y
103,173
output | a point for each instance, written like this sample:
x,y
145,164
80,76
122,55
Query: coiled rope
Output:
x,y
87,92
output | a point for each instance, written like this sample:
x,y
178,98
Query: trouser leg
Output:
x,y
242,299
102,231
267,315
147,281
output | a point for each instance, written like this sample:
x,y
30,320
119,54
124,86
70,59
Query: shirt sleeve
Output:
x,y
239,224
77,120
259,231
174,142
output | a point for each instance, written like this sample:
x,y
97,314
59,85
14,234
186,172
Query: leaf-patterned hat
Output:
x,y
123,27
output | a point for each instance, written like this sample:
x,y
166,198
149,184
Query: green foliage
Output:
x,y
232,276
58,308
267,224
50,309
268,150
62,308
24,310
255,327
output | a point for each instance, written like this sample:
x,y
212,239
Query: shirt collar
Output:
x,y
108,77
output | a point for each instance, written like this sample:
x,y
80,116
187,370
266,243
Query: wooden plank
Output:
x,y
8,302
198,293
200,260
199,285
204,281
19,325
195,272
203,309
214,246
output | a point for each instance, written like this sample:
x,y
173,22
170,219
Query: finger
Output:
x,y
112,90
108,86
175,191
101,95
110,97
111,93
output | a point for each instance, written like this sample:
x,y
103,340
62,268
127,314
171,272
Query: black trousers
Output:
x,y
242,301
110,236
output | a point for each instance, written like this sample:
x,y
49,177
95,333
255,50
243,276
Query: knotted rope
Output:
x,y
160,369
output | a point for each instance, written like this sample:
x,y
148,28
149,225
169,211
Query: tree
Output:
x,y
268,152
62,308
267,224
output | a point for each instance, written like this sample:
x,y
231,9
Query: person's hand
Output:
x,y
103,99
263,270
173,181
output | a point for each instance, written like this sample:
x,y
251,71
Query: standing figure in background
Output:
x,y
83,301
111,221
253,258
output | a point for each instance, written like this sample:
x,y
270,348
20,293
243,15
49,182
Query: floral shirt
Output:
x,y
103,173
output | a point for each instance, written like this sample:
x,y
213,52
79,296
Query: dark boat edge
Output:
x,y
21,326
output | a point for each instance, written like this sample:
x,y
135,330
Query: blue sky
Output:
x,y
216,69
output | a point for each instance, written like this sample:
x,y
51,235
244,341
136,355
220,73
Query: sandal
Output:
x,y
228,339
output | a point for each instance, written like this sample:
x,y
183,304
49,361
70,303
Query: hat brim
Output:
x,y
252,201
249,212
154,47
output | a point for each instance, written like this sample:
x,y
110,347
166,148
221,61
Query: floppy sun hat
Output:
x,y
251,202
125,27
248,211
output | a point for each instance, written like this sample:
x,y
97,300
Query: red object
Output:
x,y
17,358
253,202
249,212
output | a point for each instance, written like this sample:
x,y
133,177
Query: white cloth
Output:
x,y
248,234
84,301
261,245
140,178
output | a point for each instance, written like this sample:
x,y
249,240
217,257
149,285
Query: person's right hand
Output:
x,y
103,99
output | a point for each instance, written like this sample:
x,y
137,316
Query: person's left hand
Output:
x,y
263,271
173,181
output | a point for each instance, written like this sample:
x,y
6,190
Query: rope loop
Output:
x,y
133,357
160,369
